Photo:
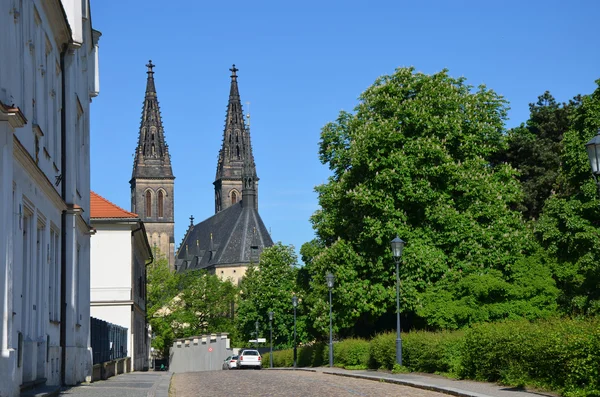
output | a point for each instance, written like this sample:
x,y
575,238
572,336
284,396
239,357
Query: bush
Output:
x,y
382,351
351,352
433,352
559,354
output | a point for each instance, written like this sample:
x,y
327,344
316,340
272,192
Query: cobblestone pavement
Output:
x,y
134,384
274,383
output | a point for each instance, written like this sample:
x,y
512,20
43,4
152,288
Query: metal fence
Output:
x,y
109,341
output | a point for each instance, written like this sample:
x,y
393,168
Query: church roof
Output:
x,y
101,208
236,235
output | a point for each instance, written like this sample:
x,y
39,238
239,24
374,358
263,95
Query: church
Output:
x,y
232,239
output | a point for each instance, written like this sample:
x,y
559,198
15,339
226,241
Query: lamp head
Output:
x,y
397,247
593,151
295,301
330,278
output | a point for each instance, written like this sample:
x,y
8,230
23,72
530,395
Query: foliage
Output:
x,y
433,352
382,351
414,160
568,226
349,353
534,149
269,286
186,304
561,354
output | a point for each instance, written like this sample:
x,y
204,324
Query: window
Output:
x,y
160,204
148,204
234,197
54,278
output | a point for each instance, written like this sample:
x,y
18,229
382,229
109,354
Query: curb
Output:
x,y
440,389
418,385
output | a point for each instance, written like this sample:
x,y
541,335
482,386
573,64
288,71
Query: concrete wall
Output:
x,y
193,354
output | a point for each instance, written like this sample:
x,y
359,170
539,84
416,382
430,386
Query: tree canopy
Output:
x,y
415,160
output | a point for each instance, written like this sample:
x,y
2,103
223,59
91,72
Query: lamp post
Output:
x,y
329,277
271,329
593,151
397,247
256,324
295,304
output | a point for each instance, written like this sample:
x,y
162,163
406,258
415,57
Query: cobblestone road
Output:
x,y
274,383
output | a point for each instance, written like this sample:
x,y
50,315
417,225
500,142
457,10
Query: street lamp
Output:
x,y
593,150
397,247
295,304
271,329
329,277
256,324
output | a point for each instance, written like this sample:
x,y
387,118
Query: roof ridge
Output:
x,y
110,203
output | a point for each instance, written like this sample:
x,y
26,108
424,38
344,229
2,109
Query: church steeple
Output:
x,y
235,157
152,157
152,181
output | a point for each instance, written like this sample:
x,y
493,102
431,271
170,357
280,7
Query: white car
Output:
x,y
249,359
230,362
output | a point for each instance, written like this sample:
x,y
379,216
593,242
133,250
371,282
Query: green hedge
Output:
x,y
562,355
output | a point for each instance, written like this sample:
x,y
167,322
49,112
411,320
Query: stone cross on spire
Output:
x,y
233,71
191,220
150,66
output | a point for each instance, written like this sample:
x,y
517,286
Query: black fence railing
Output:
x,y
109,341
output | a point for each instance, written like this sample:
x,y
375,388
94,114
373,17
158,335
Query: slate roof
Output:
x,y
236,235
101,208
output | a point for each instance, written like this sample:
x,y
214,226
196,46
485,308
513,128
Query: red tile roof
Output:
x,y
102,208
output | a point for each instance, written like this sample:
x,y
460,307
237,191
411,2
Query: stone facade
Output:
x,y
48,77
152,182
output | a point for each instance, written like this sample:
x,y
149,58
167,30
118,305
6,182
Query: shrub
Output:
x,y
382,351
351,352
433,352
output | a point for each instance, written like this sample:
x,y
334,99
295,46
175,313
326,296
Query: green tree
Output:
x,y
568,226
269,286
414,160
187,304
535,148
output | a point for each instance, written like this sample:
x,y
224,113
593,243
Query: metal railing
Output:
x,y
109,341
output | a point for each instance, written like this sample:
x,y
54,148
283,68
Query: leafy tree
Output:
x,y
568,226
414,160
269,286
534,149
187,304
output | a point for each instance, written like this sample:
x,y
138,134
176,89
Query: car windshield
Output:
x,y
234,357
250,353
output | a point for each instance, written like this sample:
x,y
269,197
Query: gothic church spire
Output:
x,y
235,157
152,157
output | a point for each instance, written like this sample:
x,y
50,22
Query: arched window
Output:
x,y
237,149
148,204
160,204
234,197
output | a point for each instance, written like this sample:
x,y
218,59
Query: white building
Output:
x,y
120,253
48,76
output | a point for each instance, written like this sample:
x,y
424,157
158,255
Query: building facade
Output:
x,y
120,252
231,240
152,182
48,78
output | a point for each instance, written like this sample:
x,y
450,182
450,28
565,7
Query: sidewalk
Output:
x,y
460,388
132,384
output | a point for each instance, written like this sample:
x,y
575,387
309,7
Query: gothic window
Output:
x,y
153,150
148,204
237,151
160,204
234,197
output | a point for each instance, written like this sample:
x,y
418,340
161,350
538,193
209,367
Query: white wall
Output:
x,y
111,264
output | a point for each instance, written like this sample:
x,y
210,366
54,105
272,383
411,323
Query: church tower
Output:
x,y
235,157
152,181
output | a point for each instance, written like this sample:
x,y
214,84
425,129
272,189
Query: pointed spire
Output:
x,y
152,157
150,89
235,157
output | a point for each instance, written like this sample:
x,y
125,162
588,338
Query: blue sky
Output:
x,y
300,63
